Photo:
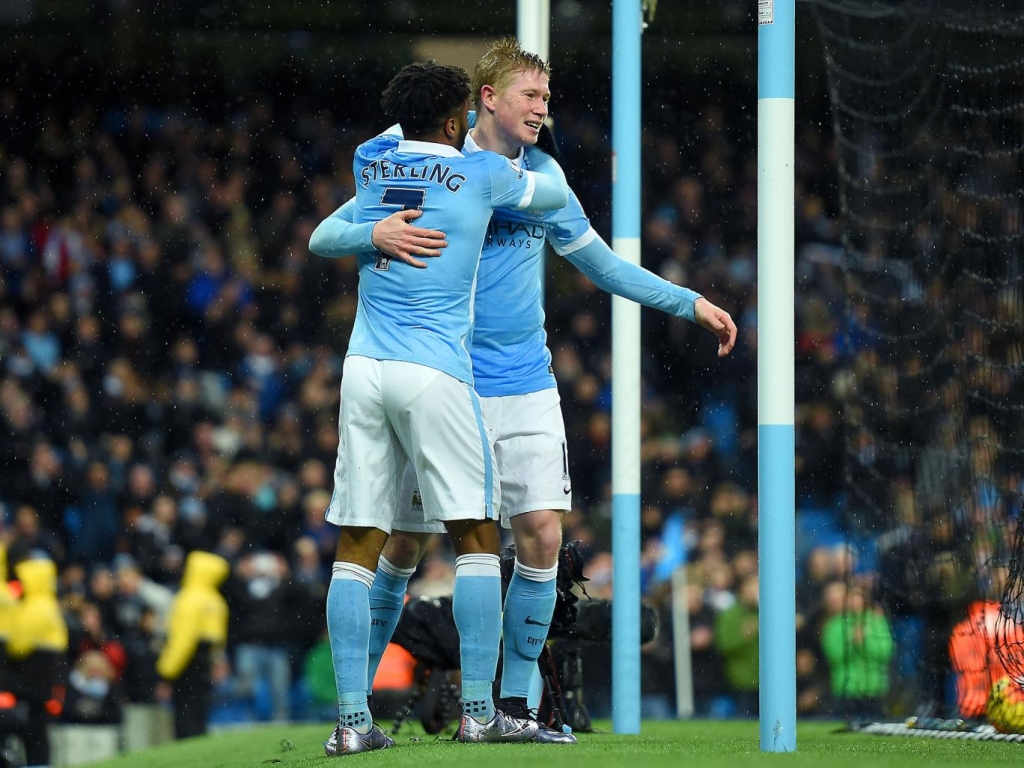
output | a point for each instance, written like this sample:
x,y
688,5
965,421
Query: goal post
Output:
x,y
775,372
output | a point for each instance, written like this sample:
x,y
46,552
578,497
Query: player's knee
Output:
x,y
473,537
404,550
538,537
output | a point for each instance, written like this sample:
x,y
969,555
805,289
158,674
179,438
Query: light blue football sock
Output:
x,y
476,605
387,598
529,605
348,626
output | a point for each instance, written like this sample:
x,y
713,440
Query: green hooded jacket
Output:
x,y
858,647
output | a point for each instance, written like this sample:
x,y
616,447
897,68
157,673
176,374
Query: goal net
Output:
x,y
928,115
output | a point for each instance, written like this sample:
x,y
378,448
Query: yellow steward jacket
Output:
x,y
8,601
38,624
199,613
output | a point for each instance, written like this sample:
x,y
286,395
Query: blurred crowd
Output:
x,y
170,355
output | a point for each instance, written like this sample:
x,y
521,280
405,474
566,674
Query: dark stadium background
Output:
x,y
165,333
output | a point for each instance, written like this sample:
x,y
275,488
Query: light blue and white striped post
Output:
x,y
533,30
627,26
775,399
533,26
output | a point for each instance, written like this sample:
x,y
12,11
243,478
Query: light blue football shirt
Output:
x,y
424,316
508,341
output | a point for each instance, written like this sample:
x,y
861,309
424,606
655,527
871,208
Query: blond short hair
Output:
x,y
505,58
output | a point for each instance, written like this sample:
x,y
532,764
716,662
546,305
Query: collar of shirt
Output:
x,y
428,148
471,146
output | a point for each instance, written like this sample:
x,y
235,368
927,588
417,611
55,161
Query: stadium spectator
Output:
x,y
88,633
736,639
93,695
153,540
37,649
29,539
708,679
48,484
270,619
8,606
136,594
93,521
657,661
858,644
142,648
197,628
811,689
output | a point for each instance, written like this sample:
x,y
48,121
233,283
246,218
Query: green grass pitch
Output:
x,y
668,744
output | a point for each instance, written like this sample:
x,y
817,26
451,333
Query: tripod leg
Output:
x,y
551,711
572,690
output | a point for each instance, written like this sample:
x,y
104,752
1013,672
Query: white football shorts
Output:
x,y
528,436
394,412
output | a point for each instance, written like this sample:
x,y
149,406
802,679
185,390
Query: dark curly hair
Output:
x,y
423,95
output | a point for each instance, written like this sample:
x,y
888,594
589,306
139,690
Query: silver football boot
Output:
x,y
545,733
500,728
348,741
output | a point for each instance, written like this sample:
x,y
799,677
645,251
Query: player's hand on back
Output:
x,y
396,237
718,321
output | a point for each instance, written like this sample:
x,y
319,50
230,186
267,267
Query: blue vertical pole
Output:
x,y
775,398
627,25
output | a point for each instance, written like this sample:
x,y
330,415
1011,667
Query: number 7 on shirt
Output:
x,y
407,200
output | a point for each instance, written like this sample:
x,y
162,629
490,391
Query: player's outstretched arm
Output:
x,y
338,235
613,274
718,321
607,270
